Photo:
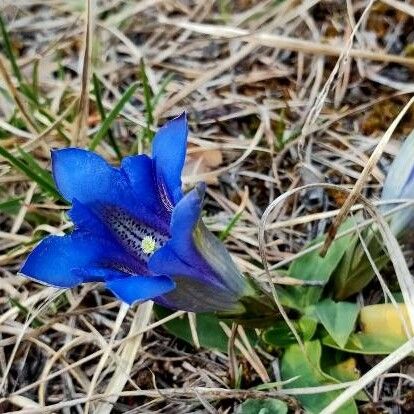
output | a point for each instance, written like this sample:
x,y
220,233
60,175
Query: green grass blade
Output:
x,y
9,50
163,86
147,94
36,168
35,81
225,233
149,108
33,171
30,91
36,322
11,206
112,116
102,113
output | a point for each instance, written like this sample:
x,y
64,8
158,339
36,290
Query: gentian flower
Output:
x,y
399,184
138,233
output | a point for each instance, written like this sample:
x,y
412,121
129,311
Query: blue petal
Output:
x,y
165,261
179,256
197,288
184,220
195,257
168,151
87,177
52,262
139,288
86,220
140,170
98,274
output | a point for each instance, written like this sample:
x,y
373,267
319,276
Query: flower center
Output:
x,y
139,239
148,245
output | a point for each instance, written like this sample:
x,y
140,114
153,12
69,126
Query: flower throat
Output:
x,y
138,238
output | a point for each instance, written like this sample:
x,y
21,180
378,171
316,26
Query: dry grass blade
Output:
x,y
17,97
127,357
373,160
249,354
262,248
205,77
80,126
252,146
192,320
320,100
123,310
189,393
29,320
285,42
400,5
84,339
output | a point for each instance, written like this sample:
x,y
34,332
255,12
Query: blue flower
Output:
x,y
137,232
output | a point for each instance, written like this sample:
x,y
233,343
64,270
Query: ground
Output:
x,y
278,94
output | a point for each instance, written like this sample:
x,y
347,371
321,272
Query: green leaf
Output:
x,y
313,267
359,276
279,334
355,271
342,273
307,367
106,124
266,406
342,367
338,318
210,334
307,327
367,344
